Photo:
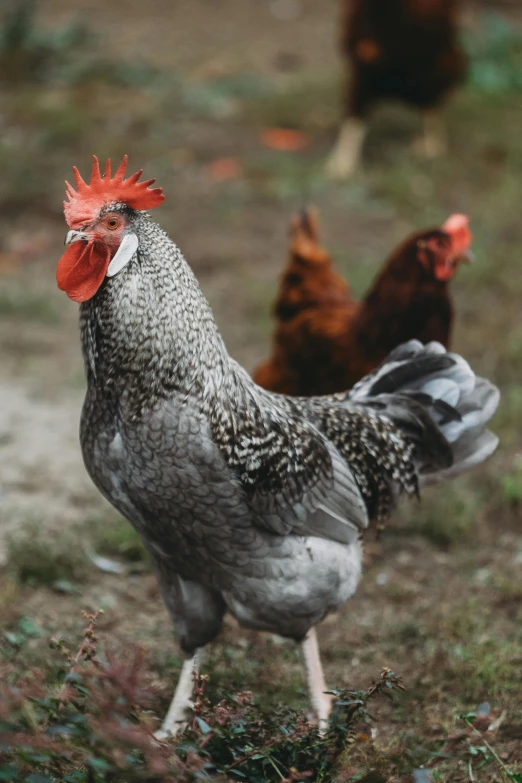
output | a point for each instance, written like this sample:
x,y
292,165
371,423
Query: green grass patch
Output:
x,y
30,52
111,535
307,101
489,668
444,517
38,557
87,718
250,667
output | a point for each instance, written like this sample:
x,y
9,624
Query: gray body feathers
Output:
x,y
249,501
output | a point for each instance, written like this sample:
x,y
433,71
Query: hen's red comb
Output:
x,y
457,226
85,203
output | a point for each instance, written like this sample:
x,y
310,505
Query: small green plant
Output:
x,y
87,719
84,725
242,742
25,629
483,754
468,749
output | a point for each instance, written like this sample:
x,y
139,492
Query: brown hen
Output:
x,y
326,340
404,50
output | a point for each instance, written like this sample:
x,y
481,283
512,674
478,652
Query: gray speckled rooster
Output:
x,y
247,501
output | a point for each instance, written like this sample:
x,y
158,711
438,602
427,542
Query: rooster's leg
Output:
x,y
432,140
321,701
346,154
181,703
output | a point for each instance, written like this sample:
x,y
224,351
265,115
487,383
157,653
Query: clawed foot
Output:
x,y
176,720
171,727
170,732
320,717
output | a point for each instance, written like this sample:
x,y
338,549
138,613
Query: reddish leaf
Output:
x,y
284,139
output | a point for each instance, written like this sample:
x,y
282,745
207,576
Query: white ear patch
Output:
x,y
129,245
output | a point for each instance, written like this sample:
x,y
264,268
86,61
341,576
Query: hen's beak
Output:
x,y
75,236
468,257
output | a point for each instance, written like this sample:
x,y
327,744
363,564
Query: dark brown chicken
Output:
x,y
325,340
404,50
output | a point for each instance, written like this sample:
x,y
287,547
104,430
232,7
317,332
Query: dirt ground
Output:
x,y
441,595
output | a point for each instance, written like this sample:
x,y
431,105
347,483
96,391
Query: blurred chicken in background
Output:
x,y
326,340
397,50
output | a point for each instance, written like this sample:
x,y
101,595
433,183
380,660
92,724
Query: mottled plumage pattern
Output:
x,y
246,500
270,448
381,460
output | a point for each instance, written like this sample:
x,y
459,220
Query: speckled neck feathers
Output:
x,y
149,331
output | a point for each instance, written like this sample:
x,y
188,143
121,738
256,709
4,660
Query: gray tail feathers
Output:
x,y
436,399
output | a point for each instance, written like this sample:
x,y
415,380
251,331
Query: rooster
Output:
x,y
326,340
247,501
397,49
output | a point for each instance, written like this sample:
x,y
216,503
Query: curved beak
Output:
x,y
468,257
75,236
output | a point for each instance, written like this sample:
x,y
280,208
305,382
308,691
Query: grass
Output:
x,y
512,486
30,52
233,667
37,558
87,718
307,100
111,535
58,90
445,518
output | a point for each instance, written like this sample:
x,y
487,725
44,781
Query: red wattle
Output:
x,y
82,269
444,272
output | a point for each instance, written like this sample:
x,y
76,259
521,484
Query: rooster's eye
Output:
x,y
113,223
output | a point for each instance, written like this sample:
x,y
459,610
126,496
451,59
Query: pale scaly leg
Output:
x,y
176,717
321,702
432,141
346,154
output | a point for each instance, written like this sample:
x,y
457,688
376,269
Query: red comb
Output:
x,y
457,226
85,203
